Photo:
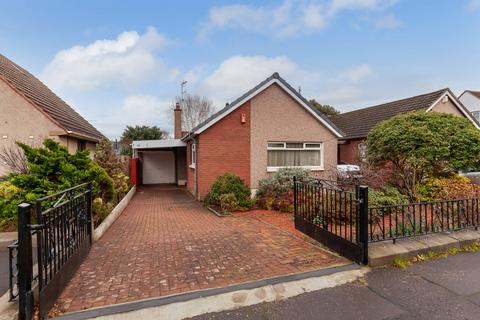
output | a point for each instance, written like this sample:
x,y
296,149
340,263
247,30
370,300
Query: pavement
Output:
x,y
436,289
166,243
4,273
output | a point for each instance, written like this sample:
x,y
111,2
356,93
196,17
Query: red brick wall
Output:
x,y
224,147
348,153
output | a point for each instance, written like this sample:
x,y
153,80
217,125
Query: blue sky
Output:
x,y
121,62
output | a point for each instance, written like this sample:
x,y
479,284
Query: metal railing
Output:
x,y
332,216
407,220
63,227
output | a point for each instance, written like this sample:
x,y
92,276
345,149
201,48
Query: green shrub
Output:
x,y
230,189
388,197
51,170
276,191
282,181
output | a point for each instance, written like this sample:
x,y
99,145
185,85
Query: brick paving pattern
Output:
x,y
166,243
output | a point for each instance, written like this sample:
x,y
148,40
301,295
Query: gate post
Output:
x,y
24,263
363,222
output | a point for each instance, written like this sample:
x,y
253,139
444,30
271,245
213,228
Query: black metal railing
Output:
x,y
332,216
63,227
407,220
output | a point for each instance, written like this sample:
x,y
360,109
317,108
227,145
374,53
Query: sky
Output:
x,y
121,63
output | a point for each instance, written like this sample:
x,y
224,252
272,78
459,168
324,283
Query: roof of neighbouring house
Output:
x,y
274,78
357,123
46,101
473,93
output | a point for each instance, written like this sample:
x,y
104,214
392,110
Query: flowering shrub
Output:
x,y
445,188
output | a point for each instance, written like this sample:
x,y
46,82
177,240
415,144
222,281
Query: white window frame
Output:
x,y
193,155
284,147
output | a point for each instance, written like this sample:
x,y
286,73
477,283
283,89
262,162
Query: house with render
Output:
x,y
471,100
30,112
269,127
356,124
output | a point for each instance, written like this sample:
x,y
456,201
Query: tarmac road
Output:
x,y
436,289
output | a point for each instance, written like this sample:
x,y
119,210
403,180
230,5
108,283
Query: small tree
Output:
x,y
324,108
422,144
195,109
139,133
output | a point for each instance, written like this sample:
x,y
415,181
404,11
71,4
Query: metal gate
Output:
x,y
62,224
333,216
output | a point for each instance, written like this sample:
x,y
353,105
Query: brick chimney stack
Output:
x,y
178,121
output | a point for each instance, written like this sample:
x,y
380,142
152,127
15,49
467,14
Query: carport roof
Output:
x,y
156,144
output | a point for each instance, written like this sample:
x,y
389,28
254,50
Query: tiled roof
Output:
x,y
357,123
43,98
234,104
474,93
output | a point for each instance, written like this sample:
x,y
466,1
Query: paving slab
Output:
x,y
465,237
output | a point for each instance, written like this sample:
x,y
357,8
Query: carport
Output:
x,y
160,161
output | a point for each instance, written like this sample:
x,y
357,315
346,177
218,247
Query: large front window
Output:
x,y
294,154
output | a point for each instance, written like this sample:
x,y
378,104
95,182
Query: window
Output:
x,y
193,155
362,149
294,154
81,145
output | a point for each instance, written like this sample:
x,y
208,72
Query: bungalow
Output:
x,y
270,127
471,100
30,112
356,124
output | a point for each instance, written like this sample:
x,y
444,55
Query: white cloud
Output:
x,y
138,110
342,5
357,73
285,20
238,74
128,60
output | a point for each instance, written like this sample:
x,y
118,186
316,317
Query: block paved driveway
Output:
x,y
166,243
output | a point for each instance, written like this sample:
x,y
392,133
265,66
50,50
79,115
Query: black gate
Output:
x,y
62,224
333,216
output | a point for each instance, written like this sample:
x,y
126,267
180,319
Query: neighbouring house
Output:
x,y
356,124
31,112
270,127
471,100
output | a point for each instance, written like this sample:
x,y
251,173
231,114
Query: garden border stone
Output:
x,y
116,212
384,252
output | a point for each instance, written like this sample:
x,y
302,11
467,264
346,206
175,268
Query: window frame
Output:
x,y
304,144
193,155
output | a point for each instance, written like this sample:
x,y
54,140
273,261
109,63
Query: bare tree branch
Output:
x,y
13,158
195,109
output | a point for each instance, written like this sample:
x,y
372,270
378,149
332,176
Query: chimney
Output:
x,y
178,121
